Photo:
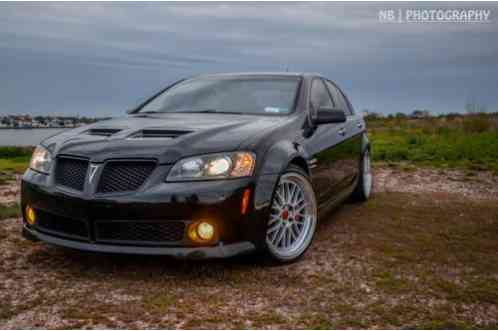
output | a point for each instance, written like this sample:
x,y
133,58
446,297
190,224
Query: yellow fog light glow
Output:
x,y
201,232
30,215
205,231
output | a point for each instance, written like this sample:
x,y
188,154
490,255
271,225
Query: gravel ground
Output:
x,y
473,185
421,254
10,192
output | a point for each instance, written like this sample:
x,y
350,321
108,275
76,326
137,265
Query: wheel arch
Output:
x,y
300,162
276,160
281,155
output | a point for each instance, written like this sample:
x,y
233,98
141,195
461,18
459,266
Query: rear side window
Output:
x,y
340,98
320,97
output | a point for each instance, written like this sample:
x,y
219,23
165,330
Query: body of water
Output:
x,y
25,137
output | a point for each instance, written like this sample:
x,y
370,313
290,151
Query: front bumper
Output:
x,y
219,251
164,203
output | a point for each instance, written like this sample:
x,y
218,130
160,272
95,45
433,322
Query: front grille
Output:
x,y
71,172
64,226
122,176
145,233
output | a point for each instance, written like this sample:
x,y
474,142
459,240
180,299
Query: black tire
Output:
x,y
361,192
293,175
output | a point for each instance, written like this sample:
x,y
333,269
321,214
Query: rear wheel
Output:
x,y
293,217
365,182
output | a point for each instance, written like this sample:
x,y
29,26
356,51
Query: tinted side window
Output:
x,y
319,95
339,97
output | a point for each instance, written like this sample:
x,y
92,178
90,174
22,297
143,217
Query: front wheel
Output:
x,y
293,217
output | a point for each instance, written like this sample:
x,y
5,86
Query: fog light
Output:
x,y
201,232
205,231
30,215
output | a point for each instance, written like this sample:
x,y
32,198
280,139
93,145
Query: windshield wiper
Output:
x,y
197,111
208,111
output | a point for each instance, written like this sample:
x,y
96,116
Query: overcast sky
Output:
x,y
99,59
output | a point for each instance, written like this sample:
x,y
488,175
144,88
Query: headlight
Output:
x,y
213,166
41,160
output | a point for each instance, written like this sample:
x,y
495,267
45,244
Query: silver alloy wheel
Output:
x,y
367,174
293,217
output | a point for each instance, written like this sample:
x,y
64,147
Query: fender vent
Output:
x,y
104,132
157,134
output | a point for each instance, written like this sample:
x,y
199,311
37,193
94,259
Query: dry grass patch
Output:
x,y
399,261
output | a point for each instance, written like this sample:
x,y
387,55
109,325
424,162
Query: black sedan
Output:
x,y
212,166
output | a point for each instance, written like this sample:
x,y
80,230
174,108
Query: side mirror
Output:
x,y
330,115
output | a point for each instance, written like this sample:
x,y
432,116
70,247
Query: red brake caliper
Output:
x,y
285,215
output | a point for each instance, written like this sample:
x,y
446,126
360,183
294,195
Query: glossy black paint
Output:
x,y
330,115
329,152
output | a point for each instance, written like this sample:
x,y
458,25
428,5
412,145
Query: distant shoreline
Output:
x,y
53,127
27,136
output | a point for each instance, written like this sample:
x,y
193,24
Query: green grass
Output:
x,y
469,143
10,211
14,165
14,159
7,152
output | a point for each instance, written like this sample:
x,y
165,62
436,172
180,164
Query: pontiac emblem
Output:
x,y
93,171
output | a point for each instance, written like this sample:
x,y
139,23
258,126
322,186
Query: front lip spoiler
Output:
x,y
220,251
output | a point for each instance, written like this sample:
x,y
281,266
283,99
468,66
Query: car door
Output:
x,y
353,129
324,144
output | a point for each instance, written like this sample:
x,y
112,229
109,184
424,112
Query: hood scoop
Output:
x,y
103,132
157,134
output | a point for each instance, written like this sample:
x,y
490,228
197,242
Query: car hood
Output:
x,y
165,137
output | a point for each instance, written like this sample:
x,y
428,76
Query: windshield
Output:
x,y
267,95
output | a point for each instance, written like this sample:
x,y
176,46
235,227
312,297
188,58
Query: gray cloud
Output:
x,y
98,58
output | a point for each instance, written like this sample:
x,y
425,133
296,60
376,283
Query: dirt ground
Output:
x,y
422,253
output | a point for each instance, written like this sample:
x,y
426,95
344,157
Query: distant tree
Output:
x,y
418,113
400,115
451,116
370,115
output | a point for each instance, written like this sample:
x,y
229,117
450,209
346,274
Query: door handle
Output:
x,y
342,132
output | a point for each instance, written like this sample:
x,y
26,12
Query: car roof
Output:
x,y
263,73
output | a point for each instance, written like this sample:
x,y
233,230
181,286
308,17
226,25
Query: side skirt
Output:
x,y
326,207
